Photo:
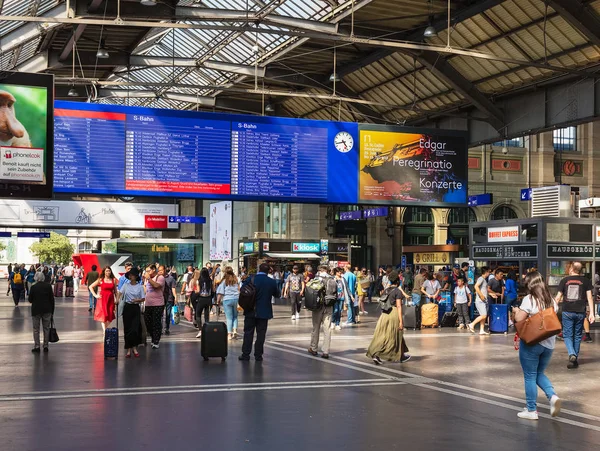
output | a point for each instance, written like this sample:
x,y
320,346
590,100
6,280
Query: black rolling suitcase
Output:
x,y
411,316
449,319
69,292
214,340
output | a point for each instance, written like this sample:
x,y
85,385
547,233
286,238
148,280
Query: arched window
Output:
x,y
458,221
85,246
503,212
418,226
461,216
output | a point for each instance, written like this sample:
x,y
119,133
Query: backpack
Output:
x,y
385,303
17,279
247,299
330,300
314,294
167,289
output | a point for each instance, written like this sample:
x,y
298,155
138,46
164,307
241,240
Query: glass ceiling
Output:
x,y
19,42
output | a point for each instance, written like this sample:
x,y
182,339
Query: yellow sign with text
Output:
x,y
431,258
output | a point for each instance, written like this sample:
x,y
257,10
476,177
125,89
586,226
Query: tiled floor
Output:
x,y
457,392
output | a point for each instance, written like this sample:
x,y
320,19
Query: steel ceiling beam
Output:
x,y
439,25
78,31
446,72
579,17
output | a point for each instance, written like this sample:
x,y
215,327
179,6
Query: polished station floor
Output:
x,y
458,392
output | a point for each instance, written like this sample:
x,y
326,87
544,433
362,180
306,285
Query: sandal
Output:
x,y
128,355
136,354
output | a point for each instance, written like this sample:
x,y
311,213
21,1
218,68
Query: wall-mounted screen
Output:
x,y
26,135
221,219
131,151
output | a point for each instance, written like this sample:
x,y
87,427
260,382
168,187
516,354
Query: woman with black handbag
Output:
x,y
41,297
535,358
388,339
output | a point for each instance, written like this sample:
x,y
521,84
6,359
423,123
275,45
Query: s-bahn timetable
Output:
x,y
149,154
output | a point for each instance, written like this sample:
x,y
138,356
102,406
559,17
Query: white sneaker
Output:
x,y
527,415
293,317
297,315
555,404
365,312
338,328
199,334
332,326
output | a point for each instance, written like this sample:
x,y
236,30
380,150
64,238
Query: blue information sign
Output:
x,y
375,212
403,262
187,219
350,215
33,234
526,194
481,199
5,234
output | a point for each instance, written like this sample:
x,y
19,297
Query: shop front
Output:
x,y
171,252
544,244
433,258
282,253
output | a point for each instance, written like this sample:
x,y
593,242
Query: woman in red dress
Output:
x,y
105,308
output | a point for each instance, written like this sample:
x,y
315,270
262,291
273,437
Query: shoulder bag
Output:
x,y
539,326
52,334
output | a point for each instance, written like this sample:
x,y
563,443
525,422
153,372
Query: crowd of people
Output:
x,y
149,300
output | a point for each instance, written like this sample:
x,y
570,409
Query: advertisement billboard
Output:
x,y
84,215
412,166
26,135
221,220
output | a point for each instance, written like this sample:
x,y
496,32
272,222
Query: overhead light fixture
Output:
x,y
73,92
190,98
269,108
148,2
102,53
430,31
334,77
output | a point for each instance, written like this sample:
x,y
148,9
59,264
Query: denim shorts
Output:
x,y
481,307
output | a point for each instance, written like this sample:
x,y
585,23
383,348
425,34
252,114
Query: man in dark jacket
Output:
x,y
41,297
259,318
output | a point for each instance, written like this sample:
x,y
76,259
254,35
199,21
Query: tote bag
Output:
x,y
539,326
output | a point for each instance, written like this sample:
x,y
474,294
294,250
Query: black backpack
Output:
x,y
247,299
385,303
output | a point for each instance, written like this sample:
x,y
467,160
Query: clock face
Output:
x,y
344,142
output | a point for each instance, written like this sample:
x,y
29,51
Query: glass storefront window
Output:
x,y
166,253
569,233
284,213
559,269
275,226
276,219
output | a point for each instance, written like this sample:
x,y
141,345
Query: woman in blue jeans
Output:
x,y
536,358
228,294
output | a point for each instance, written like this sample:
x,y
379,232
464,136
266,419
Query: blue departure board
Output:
x,y
133,151
278,161
130,151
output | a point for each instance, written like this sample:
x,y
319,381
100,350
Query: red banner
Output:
x,y
156,222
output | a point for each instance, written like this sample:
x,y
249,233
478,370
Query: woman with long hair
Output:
x,y
205,295
106,294
228,293
192,289
536,358
388,339
132,295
